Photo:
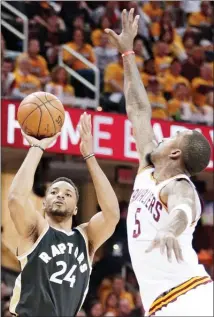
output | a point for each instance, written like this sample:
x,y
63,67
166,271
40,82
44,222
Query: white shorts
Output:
x,y
196,302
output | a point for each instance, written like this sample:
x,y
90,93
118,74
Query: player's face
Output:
x,y
169,147
61,200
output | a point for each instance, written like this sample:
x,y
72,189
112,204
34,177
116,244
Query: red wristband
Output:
x,y
128,53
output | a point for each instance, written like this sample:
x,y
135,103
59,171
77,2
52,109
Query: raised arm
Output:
x,y
102,225
28,222
137,104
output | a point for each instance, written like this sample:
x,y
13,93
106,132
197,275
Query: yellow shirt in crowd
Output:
x,y
151,12
162,64
170,81
159,106
26,84
96,37
174,105
66,89
197,18
198,98
123,295
86,50
113,71
38,64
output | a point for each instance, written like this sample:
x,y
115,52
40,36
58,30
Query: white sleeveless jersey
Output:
x,y
146,215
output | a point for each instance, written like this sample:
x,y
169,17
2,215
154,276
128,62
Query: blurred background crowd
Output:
x,y
175,57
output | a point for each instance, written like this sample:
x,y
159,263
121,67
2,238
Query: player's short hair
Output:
x,y
196,152
67,180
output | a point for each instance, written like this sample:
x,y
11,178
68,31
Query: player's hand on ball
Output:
x,y
44,143
168,243
124,41
86,144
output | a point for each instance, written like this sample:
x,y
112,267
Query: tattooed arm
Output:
x,y
179,196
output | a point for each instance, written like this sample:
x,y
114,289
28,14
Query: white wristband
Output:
x,y
188,211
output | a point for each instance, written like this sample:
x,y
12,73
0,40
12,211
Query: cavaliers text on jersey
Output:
x,y
155,274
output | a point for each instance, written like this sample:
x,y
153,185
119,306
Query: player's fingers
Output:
x,y
169,247
84,123
136,22
162,246
111,33
153,245
177,251
89,123
124,19
130,17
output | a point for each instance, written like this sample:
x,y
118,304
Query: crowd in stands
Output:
x,y
174,54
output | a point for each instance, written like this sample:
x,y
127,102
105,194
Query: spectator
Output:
x,y
96,309
157,101
113,77
189,43
110,10
125,308
7,77
180,107
59,85
149,71
202,85
37,62
153,10
51,36
191,67
208,108
202,18
25,83
118,288
111,304
173,77
162,58
104,53
78,44
139,53
174,42
96,34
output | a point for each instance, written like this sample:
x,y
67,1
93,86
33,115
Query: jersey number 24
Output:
x,y
69,277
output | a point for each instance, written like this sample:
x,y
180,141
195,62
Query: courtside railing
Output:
x,y
22,35
96,87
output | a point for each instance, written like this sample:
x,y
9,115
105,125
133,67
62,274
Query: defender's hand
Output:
x,y
169,241
124,41
86,144
44,143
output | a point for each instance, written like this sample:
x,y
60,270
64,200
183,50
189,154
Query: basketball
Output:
x,y
41,115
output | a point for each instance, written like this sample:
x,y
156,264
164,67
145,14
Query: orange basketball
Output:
x,y
41,115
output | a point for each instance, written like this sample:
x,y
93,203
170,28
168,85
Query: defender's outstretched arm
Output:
x,y
137,104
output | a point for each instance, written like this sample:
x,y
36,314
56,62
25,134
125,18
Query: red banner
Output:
x,y
112,133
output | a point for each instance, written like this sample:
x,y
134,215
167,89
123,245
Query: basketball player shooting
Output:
x,y
55,260
164,206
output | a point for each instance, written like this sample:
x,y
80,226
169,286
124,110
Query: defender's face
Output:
x,y
61,200
168,146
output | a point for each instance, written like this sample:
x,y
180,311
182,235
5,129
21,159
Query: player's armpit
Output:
x,y
28,222
99,229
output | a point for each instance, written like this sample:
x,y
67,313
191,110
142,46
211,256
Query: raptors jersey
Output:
x,y
54,275
146,215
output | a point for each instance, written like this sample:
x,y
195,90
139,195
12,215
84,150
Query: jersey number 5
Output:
x,y
68,277
137,230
